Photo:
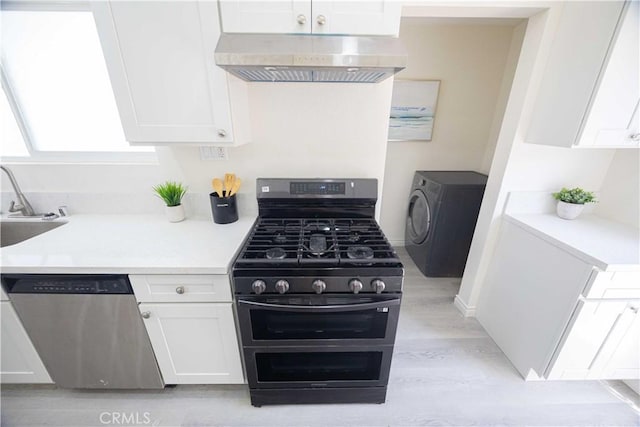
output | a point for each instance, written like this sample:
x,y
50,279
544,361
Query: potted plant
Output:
x,y
571,202
171,193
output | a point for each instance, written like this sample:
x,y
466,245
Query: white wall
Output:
x,y
513,57
299,130
470,60
519,166
619,198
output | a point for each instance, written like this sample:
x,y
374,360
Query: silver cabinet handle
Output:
x,y
180,290
222,133
321,20
146,314
635,137
301,19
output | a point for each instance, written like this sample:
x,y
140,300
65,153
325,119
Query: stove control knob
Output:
x,y
282,286
377,285
355,285
319,286
258,286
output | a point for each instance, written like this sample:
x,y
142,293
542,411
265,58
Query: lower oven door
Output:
x,y
312,320
318,367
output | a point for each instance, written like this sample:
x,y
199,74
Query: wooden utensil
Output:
x,y
229,179
217,186
236,186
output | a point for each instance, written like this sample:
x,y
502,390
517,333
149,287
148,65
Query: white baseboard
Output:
x,y
464,308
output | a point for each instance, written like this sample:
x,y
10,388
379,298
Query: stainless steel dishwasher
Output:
x,y
86,328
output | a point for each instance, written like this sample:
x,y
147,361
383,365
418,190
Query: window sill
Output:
x,y
149,158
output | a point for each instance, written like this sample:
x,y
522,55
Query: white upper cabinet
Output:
x,y
159,55
370,17
590,90
289,17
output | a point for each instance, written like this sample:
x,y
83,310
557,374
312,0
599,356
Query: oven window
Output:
x,y
283,325
330,366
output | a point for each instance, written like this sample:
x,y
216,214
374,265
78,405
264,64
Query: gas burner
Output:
x,y
275,253
317,226
354,237
359,252
317,244
280,238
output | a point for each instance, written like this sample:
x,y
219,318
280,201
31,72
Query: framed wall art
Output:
x,y
413,108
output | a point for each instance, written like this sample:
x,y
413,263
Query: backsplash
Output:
x,y
196,205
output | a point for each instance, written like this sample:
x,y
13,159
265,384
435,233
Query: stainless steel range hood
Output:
x,y
310,58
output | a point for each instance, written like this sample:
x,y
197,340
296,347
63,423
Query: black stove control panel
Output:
x,y
300,284
66,284
316,188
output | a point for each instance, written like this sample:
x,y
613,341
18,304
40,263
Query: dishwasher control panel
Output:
x,y
66,284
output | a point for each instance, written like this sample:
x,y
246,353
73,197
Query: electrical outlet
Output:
x,y
213,153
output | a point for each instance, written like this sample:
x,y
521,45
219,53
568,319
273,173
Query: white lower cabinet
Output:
x,y
194,343
602,341
19,361
558,317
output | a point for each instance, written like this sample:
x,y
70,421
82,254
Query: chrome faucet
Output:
x,y
23,206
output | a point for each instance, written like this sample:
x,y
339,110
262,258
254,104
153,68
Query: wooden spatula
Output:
x,y
236,186
229,179
217,186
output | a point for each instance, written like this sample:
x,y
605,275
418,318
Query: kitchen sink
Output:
x,y
12,232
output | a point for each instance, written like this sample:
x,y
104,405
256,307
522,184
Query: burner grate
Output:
x,y
317,242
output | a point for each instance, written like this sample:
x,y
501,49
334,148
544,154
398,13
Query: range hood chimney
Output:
x,y
310,58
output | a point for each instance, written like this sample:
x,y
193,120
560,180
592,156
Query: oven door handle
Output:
x,y
323,308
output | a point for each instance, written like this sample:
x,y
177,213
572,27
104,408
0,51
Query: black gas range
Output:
x,y
318,291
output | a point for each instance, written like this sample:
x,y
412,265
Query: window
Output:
x,y
55,81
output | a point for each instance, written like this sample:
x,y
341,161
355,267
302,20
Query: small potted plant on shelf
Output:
x,y
571,202
171,193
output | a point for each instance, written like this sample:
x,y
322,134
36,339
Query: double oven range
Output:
x,y
318,290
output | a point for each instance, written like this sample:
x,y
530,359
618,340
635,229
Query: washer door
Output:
x,y
419,217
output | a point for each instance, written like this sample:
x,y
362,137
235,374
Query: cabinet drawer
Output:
x,y
607,284
181,288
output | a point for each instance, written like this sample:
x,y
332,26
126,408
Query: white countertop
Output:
x,y
129,244
608,245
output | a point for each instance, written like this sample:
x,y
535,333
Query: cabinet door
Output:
x,y
619,356
280,16
613,118
159,55
194,343
600,342
381,17
579,49
19,360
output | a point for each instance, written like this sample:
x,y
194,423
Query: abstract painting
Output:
x,y
413,107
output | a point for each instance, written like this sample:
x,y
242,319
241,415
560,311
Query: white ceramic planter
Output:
x,y
175,213
568,210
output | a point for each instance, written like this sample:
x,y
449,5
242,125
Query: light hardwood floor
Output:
x,y
445,371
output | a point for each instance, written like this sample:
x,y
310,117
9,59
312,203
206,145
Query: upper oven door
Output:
x,y
299,320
